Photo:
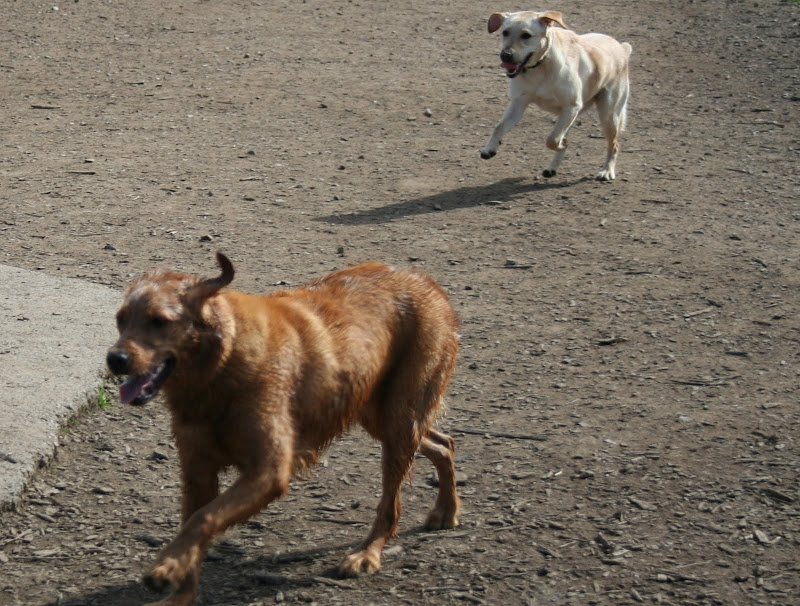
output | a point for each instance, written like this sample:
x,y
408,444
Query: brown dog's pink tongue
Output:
x,y
130,388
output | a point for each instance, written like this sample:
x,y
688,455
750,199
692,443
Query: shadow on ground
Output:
x,y
226,568
501,192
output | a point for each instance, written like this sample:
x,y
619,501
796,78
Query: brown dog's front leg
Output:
x,y
179,563
200,483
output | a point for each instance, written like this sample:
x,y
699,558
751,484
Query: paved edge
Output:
x,y
54,333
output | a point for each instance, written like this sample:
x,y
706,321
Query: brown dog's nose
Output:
x,y
118,361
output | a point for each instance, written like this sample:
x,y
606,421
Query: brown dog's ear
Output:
x,y
208,288
550,17
495,21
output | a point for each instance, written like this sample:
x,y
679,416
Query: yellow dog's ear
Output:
x,y
550,17
495,21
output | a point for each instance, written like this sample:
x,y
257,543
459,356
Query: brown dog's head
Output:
x,y
525,38
163,321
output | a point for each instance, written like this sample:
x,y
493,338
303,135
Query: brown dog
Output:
x,y
265,383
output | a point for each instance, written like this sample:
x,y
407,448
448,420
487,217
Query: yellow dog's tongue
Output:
x,y
509,66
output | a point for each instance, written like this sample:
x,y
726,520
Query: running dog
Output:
x,y
264,383
565,74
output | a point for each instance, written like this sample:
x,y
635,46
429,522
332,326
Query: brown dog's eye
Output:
x,y
158,321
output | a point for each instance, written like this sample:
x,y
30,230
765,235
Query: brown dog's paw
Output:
x,y
174,600
360,562
441,519
170,573
162,576
177,565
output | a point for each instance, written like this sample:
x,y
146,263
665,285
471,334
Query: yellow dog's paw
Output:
x,y
556,145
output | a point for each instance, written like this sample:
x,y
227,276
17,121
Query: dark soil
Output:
x,y
626,401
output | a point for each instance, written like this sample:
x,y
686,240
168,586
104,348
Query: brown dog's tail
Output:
x,y
208,288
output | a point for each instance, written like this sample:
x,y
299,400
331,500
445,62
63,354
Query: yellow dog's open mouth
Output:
x,y
140,389
515,69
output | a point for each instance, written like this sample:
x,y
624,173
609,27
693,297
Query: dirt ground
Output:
x,y
625,404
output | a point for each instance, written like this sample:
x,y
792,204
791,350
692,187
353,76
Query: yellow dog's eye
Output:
x,y
525,35
505,33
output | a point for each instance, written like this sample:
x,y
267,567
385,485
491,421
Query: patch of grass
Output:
x,y
104,401
103,398
72,422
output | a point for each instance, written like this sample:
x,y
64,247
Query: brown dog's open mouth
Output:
x,y
515,69
140,389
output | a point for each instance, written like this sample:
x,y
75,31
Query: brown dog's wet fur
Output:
x,y
265,383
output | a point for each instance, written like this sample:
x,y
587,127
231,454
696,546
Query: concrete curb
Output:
x,y
54,333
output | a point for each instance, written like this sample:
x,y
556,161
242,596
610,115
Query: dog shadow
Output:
x,y
250,579
501,192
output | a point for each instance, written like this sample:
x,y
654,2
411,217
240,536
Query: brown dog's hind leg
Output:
x,y
397,458
439,448
400,414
